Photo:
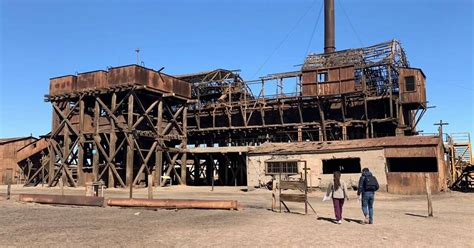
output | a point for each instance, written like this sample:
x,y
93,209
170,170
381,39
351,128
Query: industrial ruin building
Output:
x,y
357,107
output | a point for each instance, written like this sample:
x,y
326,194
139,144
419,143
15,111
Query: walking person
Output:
x,y
367,186
337,191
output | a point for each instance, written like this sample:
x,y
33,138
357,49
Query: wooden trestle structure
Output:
x,y
118,135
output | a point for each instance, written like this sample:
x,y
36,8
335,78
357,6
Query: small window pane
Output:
x,y
410,83
322,77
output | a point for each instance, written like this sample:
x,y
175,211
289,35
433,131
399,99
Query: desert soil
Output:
x,y
400,221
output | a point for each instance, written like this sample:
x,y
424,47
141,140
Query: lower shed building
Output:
x,y
399,163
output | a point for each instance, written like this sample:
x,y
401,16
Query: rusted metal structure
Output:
x,y
117,126
128,122
63,199
8,159
173,203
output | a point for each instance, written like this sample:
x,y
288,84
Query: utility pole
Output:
x,y
440,128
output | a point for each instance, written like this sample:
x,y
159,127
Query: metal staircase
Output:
x,y
461,161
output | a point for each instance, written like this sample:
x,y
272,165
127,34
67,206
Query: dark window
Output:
x,y
283,167
410,83
344,165
412,164
322,77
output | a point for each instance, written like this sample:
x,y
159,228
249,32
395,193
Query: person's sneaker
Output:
x,y
366,221
339,222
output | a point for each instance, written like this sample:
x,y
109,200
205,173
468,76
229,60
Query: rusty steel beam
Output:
x,y
173,203
63,199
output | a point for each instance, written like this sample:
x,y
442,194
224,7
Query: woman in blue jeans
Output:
x,y
367,186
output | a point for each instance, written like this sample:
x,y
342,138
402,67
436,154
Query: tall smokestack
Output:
x,y
329,27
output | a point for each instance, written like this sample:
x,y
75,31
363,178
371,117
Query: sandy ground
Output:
x,y
400,221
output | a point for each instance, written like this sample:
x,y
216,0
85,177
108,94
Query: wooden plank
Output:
x,y
293,197
294,185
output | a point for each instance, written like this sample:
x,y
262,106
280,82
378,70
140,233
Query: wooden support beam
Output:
x,y
112,143
130,145
80,149
183,146
95,149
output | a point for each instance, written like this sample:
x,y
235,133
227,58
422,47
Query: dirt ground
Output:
x,y
400,221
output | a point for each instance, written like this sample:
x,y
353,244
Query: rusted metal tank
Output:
x,y
173,203
92,80
63,199
62,85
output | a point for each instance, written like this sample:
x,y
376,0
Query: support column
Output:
x,y
113,141
80,149
130,146
66,146
159,152
95,149
184,143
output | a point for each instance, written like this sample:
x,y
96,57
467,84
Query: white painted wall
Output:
x,y
372,159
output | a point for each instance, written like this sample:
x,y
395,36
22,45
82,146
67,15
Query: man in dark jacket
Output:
x,y
367,186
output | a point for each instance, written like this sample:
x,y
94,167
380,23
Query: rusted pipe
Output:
x,y
63,199
173,203
329,27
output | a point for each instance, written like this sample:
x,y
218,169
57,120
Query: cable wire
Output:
x,y
350,23
314,29
284,39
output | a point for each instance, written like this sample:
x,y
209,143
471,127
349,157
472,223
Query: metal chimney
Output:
x,y
329,27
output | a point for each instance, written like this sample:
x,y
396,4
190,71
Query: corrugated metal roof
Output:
x,y
346,145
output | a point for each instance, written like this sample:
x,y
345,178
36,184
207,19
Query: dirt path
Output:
x,y
399,221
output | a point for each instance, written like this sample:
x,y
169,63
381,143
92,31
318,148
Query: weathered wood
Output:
x,y
293,185
428,195
293,197
184,142
95,150
112,144
150,186
130,146
80,149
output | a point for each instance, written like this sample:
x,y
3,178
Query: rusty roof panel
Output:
x,y
92,80
61,85
346,145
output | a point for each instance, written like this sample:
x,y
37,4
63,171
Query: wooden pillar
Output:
x,y
95,149
428,194
80,150
52,162
390,89
66,145
344,132
323,124
130,146
184,143
113,141
159,151
52,152
300,134
197,169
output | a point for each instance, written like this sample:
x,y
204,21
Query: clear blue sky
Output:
x,y
44,39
